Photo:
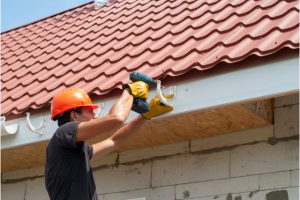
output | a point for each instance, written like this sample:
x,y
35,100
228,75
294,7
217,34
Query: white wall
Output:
x,y
260,163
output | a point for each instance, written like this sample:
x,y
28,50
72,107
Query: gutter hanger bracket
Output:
x,y
8,129
159,93
32,128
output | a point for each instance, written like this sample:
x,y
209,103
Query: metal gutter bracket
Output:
x,y
161,96
9,129
32,128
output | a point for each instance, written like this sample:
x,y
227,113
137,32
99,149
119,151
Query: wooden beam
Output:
x,y
23,157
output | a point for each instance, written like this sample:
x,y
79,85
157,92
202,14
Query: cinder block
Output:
x,y
275,180
223,186
190,168
287,100
36,190
23,173
295,177
156,151
162,193
105,160
123,178
286,121
100,197
234,138
264,158
13,191
280,194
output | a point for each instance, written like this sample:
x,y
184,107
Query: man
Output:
x,y
68,175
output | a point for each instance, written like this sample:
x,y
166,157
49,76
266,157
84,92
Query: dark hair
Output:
x,y
66,116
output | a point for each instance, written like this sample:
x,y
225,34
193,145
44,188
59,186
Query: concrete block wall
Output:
x,y
259,163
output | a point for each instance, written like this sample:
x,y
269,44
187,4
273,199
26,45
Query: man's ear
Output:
x,y
73,116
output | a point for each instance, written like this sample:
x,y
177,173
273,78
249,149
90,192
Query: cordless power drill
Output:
x,y
141,105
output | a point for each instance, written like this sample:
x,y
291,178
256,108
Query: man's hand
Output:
x,y
139,89
157,108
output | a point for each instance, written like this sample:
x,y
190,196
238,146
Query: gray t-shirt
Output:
x,y
68,175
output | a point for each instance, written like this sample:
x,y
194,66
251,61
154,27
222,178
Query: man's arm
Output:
x,y
118,138
129,130
114,120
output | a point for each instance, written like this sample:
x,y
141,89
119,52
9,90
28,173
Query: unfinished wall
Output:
x,y
260,163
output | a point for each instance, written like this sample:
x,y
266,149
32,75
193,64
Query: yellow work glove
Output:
x,y
157,108
139,89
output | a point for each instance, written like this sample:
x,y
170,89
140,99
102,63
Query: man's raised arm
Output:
x,y
116,116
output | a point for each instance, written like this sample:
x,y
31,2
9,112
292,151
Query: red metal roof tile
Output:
x,y
96,49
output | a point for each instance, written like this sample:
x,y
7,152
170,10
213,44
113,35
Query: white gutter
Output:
x,y
265,80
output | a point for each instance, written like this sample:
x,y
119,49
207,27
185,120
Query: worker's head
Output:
x,y
72,104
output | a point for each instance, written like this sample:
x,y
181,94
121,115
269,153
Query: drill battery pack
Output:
x,y
140,105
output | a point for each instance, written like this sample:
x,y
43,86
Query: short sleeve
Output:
x,y
66,134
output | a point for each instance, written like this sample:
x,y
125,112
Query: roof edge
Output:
x,y
207,92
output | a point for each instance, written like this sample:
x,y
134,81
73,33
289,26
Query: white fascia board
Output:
x,y
261,81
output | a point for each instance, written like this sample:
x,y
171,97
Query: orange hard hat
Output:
x,y
69,99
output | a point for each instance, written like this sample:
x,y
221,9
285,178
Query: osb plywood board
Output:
x,y
23,157
174,129
195,125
